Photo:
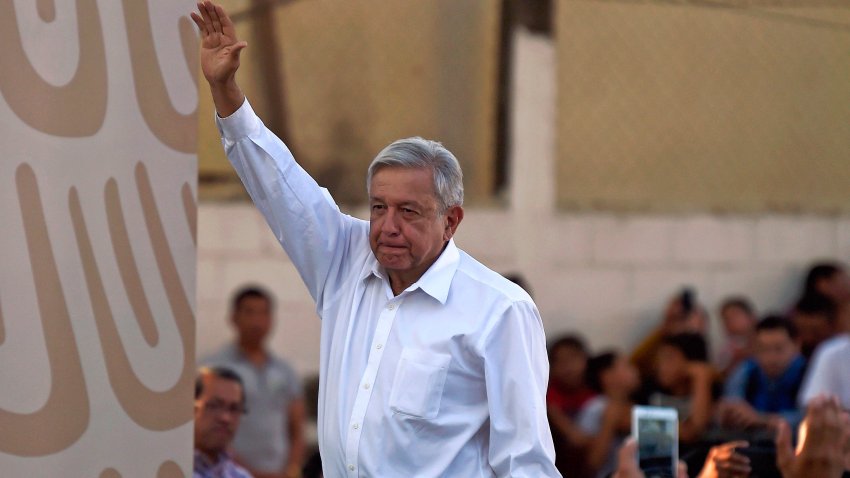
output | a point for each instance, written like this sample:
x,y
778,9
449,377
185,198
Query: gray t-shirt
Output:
x,y
262,441
590,421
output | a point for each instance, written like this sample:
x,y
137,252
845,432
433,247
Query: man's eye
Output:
x,y
375,207
408,211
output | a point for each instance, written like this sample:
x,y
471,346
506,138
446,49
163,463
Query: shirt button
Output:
x,y
351,467
378,346
366,386
356,426
391,306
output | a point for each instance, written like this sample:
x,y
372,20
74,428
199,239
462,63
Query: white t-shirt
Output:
x,y
829,372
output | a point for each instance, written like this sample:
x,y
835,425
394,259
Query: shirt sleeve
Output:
x,y
516,372
303,216
590,417
818,380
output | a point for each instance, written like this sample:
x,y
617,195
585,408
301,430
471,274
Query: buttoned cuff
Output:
x,y
242,123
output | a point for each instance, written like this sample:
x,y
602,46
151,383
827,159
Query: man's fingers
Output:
x,y
223,17
213,13
784,452
205,14
236,48
199,22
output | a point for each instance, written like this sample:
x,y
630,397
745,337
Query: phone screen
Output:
x,y
657,446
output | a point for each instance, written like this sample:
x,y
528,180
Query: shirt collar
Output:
x,y
435,281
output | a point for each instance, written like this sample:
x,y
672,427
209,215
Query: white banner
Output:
x,y
97,249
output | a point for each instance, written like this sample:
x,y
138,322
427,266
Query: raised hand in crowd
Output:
x,y
724,461
822,446
627,465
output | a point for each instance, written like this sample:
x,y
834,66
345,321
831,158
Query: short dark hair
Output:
x,y
819,272
598,365
220,372
568,341
519,280
777,322
817,304
692,345
251,291
738,302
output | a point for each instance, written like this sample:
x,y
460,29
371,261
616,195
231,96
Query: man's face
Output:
x,y
622,376
568,366
774,351
253,319
837,287
812,330
407,231
737,322
217,414
671,366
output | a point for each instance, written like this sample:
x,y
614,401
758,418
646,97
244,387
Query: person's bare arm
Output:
x,y
220,51
297,446
567,427
702,376
724,461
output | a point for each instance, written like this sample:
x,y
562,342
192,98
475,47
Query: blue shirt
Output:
x,y
224,467
769,395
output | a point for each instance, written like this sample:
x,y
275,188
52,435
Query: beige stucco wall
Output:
x,y
683,107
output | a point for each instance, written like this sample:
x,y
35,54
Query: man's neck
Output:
x,y
255,353
211,456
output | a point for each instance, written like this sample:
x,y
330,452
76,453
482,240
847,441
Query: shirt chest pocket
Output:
x,y
418,385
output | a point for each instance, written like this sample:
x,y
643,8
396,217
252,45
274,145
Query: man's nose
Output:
x,y
390,223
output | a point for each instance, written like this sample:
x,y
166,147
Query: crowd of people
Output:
x,y
766,372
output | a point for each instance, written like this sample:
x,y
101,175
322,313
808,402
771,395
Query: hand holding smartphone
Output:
x,y
656,430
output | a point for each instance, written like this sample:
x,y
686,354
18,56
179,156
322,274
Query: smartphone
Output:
x,y
657,432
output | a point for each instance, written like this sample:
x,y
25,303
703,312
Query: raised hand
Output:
x,y
822,440
724,461
220,50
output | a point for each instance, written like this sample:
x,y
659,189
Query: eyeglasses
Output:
x,y
216,407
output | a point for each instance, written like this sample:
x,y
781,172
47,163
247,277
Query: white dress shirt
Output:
x,y
447,379
827,373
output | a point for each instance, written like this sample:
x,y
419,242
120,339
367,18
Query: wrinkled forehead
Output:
x,y
401,182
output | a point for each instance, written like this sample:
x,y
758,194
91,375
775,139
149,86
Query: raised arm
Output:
x,y
219,56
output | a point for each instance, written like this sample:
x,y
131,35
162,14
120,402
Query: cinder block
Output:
x,y
567,240
770,288
711,240
844,239
230,229
279,277
587,300
486,232
296,335
795,239
633,240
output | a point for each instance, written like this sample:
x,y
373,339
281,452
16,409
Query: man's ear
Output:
x,y
454,215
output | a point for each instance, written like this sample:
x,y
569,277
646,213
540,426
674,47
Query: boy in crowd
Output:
x,y
814,317
738,318
567,394
685,381
606,418
763,390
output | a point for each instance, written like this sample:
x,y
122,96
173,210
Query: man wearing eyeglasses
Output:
x,y
219,405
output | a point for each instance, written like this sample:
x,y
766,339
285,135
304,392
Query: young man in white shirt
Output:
x,y
431,364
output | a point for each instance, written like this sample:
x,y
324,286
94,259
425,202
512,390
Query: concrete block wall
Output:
x,y
605,276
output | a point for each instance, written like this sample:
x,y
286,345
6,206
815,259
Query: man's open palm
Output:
x,y
219,46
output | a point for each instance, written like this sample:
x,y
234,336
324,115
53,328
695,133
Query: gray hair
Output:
x,y
419,153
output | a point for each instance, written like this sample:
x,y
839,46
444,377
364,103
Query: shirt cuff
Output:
x,y
240,124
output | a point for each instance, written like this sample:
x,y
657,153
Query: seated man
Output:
x,y
814,317
738,318
764,389
684,381
219,404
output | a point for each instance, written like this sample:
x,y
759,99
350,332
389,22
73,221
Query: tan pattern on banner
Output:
x,y
38,103
51,428
48,108
97,405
